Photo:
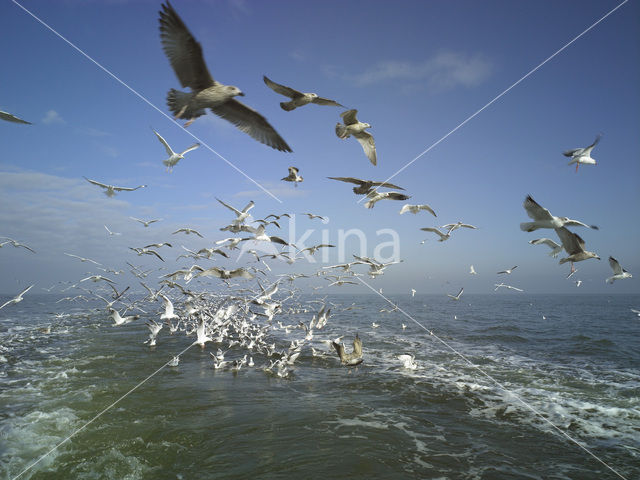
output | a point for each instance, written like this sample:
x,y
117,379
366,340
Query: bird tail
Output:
x,y
610,280
178,103
341,131
369,204
287,106
528,226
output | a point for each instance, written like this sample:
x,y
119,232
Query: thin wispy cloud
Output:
x,y
444,71
53,118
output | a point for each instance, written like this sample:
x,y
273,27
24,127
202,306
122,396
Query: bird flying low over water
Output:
x,y
298,99
18,298
543,218
356,128
582,155
8,117
574,246
174,157
110,190
456,297
619,273
185,55
350,359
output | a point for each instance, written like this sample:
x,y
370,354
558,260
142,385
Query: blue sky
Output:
x,y
414,71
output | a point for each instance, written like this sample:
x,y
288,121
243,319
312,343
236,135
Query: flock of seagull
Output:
x,y
229,319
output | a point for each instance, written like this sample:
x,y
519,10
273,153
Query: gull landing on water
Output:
x,y
350,359
408,361
582,155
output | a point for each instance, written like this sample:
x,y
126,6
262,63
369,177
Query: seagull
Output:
x,y
456,297
154,329
408,361
578,282
472,271
119,320
16,244
637,312
416,208
146,223
110,190
169,313
225,274
146,251
543,218
293,176
443,236
574,246
508,270
555,248
350,359
82,259
365,186
498,285
8,117
619,273
202,336
174,361
174,157
298,99
185,55
312,216
18,298
413,292
96,278
375,197
582,155
454,226
241,215
188,231
353,127
110,232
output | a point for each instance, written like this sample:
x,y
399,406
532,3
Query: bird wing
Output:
x,y
434,230
326,101
281,89
12,118
248,206
251,123
368,145
535,210
183,51
571,242
428,209
385,184
96,183
396,196
25,290
615,266
357,181
405,208
588,149
128,189
192,147
164,142
349,117
466,225
576,223
240,272
357,346
233,209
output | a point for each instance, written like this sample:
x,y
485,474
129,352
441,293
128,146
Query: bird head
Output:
x,y
235,91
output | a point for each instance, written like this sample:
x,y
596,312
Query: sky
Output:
x,y
414,70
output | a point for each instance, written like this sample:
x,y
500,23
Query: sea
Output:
x,y
507,386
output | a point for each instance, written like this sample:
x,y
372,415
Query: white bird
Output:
x,y
241,215
293,176
188,231
202,336
110,232
225,274
15,244
413,292
8,117
543,218
376,196
443,236
472,271
374,325
185,55
119,320
637,312
154,329
353,358
174,157
498,285
456,297
578,282
454,226
82,259
582,155
298,99
508,270
97,278
619,273
146,223
356,128
169,313
174,361
408,361
555,248
416,208
18,298
110,190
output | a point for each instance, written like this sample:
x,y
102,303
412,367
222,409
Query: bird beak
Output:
x,y
598,257
241,94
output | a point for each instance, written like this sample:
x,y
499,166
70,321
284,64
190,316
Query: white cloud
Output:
x,y
444,71
53,118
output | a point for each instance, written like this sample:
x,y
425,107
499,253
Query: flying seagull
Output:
x,y
472,271
350,359
188,231
16,244
364,186
574,246
18,298
456,297
241,215
443,236
185,55
582,155
8,117
225,274
353,127
555,248
498,285
293,176
174,157
146,223
377,196
543,218
618,272
416,208
298,99
508,270
110,190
